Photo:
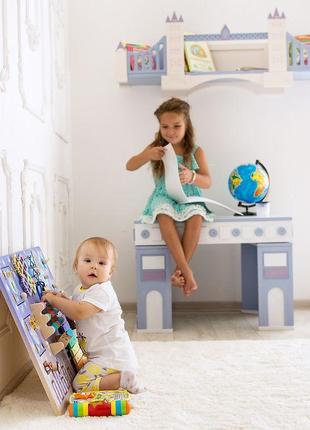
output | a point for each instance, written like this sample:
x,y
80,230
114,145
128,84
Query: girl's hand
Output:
x,y
156,153
186,175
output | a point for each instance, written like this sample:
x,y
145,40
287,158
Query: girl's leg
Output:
x,y
171,237
177,279
190,239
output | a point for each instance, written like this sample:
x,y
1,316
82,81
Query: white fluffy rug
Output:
x,y
244,385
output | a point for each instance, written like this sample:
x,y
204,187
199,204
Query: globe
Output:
x,y
249,183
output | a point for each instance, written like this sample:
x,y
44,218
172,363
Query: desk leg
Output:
x,y
249,287
275,280
154,301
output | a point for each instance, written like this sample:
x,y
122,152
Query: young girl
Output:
x,y
95,308
175,127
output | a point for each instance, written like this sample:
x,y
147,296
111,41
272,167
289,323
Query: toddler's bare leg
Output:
x,y
110,382
130,382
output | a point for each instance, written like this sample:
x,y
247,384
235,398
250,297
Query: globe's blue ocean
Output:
x,y
249,183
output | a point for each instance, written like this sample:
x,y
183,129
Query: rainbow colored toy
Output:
x,y
99,403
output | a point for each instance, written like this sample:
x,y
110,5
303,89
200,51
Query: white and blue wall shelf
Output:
x,y
271,60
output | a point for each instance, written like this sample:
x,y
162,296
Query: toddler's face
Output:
x,y
172,127
94,265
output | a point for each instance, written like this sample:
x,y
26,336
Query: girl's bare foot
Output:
x,y
177,279
190,285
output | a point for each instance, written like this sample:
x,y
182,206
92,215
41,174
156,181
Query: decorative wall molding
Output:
x,y
6,230
62,231
34,203
31,73
32,22
4,67
59,81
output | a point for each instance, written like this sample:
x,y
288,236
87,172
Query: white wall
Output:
x,y
233,124
35,150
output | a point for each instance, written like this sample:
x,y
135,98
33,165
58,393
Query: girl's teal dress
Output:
x,y
160,203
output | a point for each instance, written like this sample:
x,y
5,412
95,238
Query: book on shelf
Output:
x,y
148,58
186,69
305,40
198,56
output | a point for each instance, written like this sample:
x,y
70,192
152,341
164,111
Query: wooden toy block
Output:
x,y
56,347
75,348
77,357
66,326
73,340
64,338
81,363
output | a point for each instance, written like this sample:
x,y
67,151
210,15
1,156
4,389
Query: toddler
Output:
x,y
95,308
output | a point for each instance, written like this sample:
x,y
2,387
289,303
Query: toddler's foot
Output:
x,y
130,382
177,279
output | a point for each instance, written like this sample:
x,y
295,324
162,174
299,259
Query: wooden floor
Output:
x,y
219,326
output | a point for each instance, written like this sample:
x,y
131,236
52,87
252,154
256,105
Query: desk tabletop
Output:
x,y
226,229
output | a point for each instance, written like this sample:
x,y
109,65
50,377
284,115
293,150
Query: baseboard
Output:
x,y
18,378
129,307
194,307
301,304
206,307
210,306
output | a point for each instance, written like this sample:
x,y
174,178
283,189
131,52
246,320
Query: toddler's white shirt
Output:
x,y
106,341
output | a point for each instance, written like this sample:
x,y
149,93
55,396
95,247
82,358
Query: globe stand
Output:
x,y
247,212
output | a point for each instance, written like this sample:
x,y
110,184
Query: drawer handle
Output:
x,y
145,234
236,232
212,232
259,232
281,231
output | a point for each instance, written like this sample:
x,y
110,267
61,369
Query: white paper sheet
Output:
x,y
174,186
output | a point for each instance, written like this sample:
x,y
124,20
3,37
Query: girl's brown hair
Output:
x,y
100,242
178,106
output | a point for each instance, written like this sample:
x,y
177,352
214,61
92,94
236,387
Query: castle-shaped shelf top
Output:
x,y
269,59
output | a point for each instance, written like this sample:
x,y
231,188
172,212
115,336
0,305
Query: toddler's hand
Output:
x,y
48,297
58,293
185,174
156,153
62,294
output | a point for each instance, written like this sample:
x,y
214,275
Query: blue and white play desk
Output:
x,y
266,267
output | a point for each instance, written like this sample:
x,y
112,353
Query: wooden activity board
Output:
x,y
23,277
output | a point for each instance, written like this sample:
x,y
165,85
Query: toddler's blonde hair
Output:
x,y
100,242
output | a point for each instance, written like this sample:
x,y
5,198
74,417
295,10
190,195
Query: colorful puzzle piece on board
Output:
x,y
50,320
